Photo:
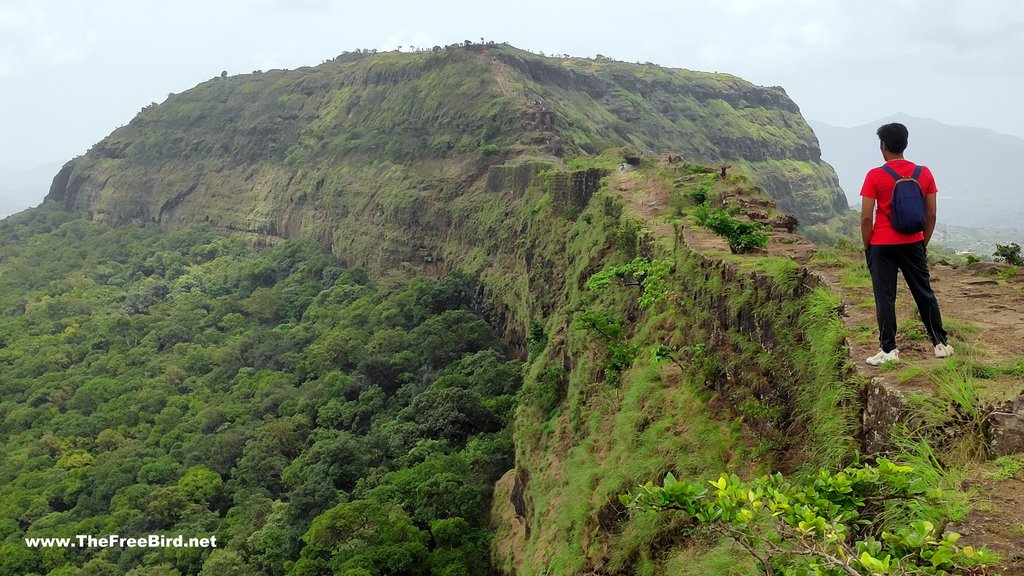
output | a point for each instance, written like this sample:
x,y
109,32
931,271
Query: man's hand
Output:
x,y
929,213
867,213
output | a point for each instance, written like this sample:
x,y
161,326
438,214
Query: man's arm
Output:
x,y
867,212
929,213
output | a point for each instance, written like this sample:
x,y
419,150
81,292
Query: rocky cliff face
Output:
x,y
302,152
470,159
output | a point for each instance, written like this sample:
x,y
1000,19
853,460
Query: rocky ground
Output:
x,y
983,309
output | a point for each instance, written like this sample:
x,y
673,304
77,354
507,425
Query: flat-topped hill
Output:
x,y
297,152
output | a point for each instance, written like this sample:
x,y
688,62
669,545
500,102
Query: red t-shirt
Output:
x,y
878,185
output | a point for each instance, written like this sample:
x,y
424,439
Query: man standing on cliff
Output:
x,y
888,250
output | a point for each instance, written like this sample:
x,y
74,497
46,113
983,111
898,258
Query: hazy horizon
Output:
x,y
73,72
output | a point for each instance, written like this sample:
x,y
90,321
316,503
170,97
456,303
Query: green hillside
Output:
x,y
328,151
443,313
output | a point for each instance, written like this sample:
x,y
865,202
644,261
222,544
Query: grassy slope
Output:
x,y
762,381
421,202
585,433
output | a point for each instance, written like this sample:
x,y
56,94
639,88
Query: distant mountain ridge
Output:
x,y
975,168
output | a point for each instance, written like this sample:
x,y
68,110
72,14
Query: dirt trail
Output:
x,y
996,521
985,320
983,315
996,307
498,69
982,307
647,197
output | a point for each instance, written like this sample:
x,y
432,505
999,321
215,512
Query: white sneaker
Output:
x,y
883,357
943,350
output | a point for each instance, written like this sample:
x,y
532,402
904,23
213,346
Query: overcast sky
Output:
x,y
71,71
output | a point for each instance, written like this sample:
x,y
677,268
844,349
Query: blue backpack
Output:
x,y
907,208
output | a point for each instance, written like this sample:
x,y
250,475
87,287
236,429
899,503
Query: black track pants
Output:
x,y
883,262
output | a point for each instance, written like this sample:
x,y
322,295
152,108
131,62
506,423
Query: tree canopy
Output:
x,y
187,383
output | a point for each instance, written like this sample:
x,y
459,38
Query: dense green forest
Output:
x,y
188,383
631,229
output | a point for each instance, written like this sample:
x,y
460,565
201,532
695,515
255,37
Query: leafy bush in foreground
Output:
x,y
825,526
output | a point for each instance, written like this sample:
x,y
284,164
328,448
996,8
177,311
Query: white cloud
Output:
x,y
842,62
32,34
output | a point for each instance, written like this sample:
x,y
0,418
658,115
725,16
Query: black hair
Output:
x,y
894,136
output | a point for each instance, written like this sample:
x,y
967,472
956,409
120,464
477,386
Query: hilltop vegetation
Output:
x,y
357,146
186,383
338,403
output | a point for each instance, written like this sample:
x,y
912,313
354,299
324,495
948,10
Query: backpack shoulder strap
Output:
x,y
917,172
891,172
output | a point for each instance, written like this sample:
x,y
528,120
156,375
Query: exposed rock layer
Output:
x,y
287,153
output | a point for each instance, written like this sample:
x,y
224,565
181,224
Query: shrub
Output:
x,y
627,236
536,338
1009,253
488,150
822,525
649,275
546,392
743,237
699,194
